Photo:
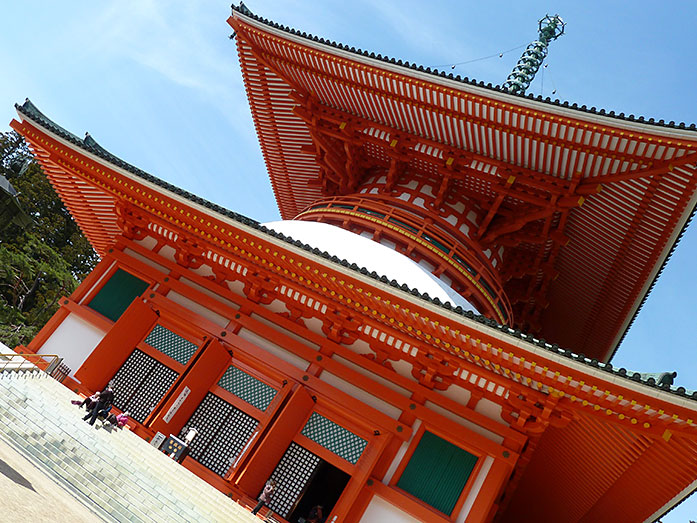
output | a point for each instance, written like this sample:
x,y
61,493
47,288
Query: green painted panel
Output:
x,y
248,388
437,472
171,344
334,438
117,294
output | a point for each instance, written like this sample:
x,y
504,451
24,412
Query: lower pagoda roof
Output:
x,y
595,261
604,443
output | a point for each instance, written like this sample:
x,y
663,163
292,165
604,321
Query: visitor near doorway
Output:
x,y
266,495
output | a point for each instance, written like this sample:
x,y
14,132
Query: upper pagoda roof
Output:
x,y
439,73
616,243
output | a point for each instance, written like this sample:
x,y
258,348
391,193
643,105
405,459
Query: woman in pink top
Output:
x,y
118,420
265,496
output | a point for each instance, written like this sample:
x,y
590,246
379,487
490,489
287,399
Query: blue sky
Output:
x,y
158,84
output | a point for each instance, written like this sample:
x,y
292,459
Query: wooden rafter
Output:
x,y
285,67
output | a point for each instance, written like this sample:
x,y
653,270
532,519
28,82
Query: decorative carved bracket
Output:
x,y
131,223
340,327
260,288
533,418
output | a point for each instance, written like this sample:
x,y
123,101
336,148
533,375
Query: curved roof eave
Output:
x,y
496,92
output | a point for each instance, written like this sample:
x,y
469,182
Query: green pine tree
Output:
x,y
41,262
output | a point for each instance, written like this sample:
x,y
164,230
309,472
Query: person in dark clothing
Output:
x,y
316,515
88,402
104,413
106,398
265,496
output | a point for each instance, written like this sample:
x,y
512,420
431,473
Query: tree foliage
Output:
x,y
40,263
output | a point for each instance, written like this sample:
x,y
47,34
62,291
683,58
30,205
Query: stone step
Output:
x,y
167,462
47,448
116,473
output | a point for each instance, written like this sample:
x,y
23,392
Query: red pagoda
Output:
x,y
346,381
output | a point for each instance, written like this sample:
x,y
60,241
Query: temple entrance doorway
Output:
x,y
324,488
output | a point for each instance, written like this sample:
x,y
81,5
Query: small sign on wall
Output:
x,y
178,403
157,440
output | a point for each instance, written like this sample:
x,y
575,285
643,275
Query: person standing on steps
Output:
x,y
266,495
106,398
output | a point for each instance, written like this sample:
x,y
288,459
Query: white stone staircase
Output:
x,y
116,474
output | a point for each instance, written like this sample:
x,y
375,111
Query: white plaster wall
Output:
x,y
403,368
314,325
490,410
276,306
360,347
360,394
204,270
73,340
457,394
148,242
388,244
381,511
146,261
209,293
274,349
429,267
476,488
288,333
374,377
465,422
198,309
237,287
167,253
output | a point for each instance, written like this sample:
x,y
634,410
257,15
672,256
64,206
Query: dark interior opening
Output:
x,y
324,488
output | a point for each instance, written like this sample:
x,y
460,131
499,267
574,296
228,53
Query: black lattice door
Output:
x,y
140,384
223,431
292,475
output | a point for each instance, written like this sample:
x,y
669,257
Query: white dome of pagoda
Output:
x,y
364,252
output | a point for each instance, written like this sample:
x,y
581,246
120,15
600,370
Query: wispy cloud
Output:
x,y
173,40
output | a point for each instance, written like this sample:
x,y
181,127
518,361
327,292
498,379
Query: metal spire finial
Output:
x,y
550,28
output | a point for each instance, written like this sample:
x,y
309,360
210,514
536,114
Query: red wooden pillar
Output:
x,y
494,482
118,344
364,467
192,388
276,441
